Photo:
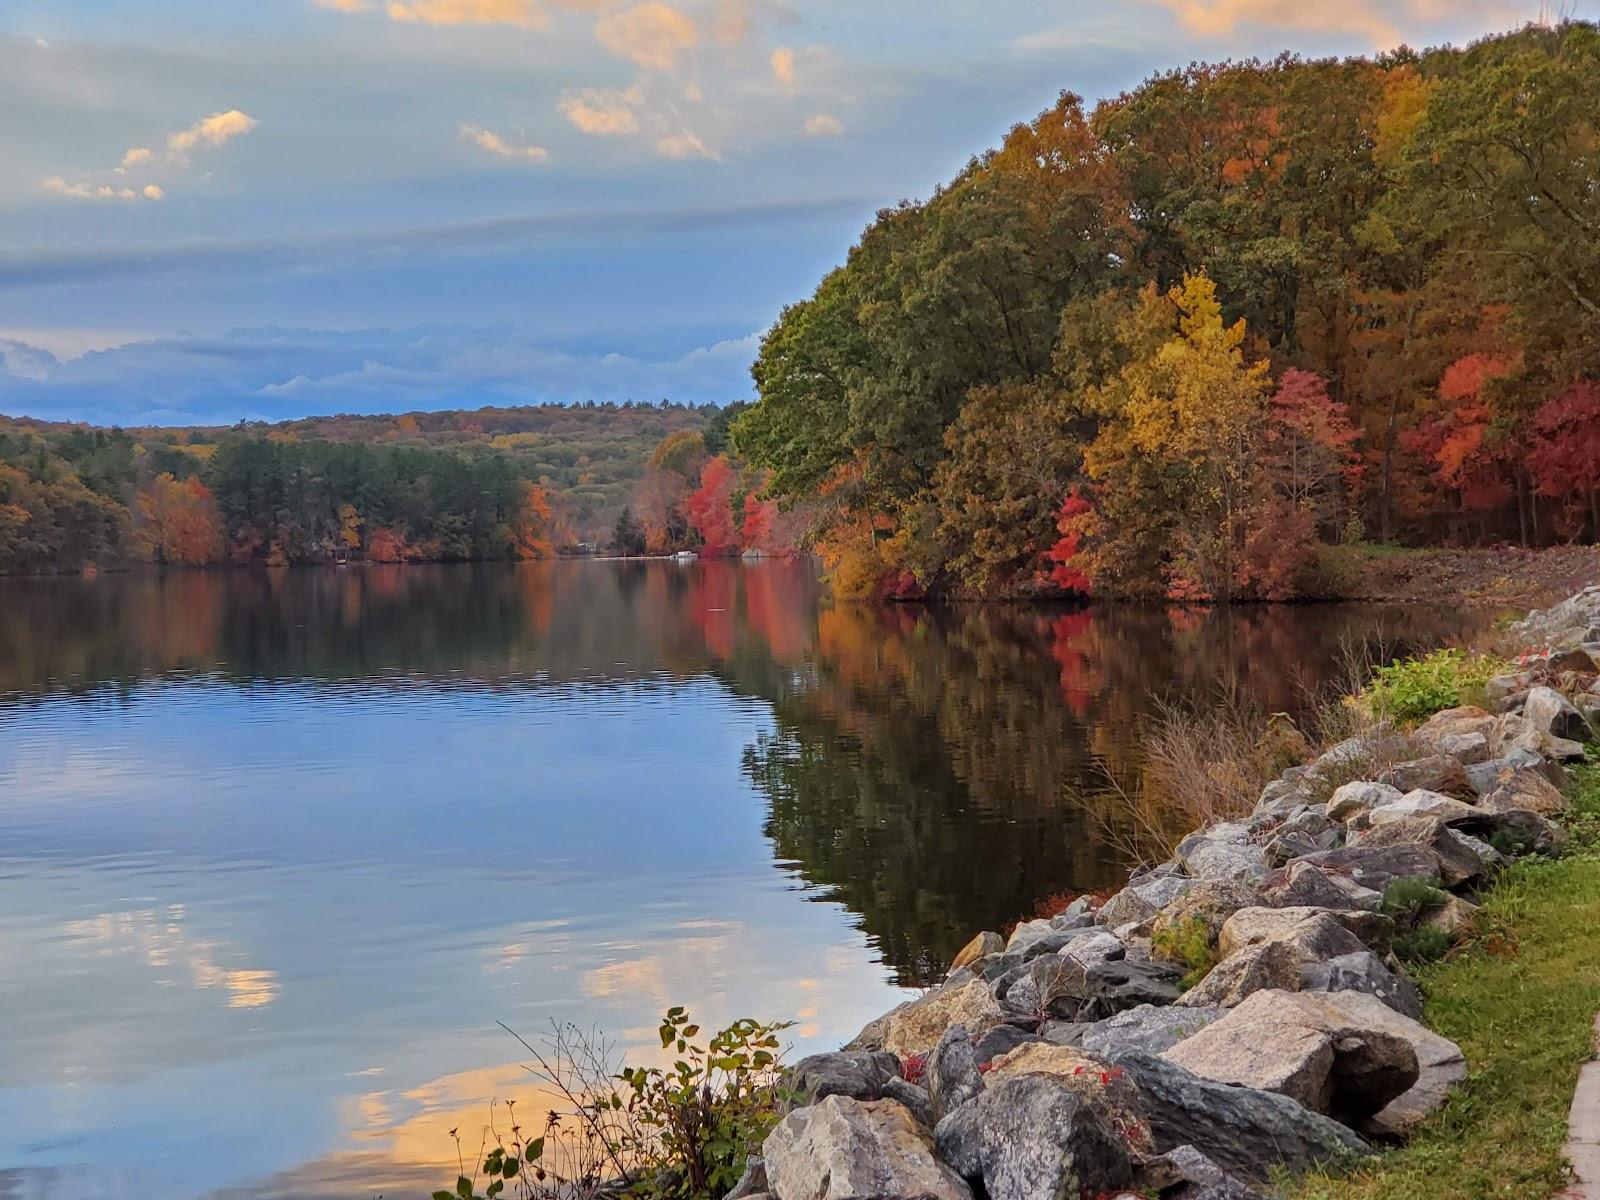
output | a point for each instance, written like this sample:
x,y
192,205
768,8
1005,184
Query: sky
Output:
x,y
217,211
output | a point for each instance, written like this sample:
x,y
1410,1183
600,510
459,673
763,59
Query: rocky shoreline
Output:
x,y
1073,1060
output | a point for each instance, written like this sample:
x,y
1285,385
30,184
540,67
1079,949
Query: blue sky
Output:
x,y
212,211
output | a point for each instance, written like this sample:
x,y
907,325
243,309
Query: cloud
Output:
x,y
733,21
525,14
1372,19
86,191
652,34
277,374
822,125
152,191
783,66
137,155
214,130
491,141
603,111
684,145
345,5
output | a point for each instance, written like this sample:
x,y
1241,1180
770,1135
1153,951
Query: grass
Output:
x,y
1520,999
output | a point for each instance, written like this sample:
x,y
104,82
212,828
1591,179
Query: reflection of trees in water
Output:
x,y
948,767
936,770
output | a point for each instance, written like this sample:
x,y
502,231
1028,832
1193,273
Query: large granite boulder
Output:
x,y
1310,1047
1352,799
1210,902
1547,711
917,1025
952,1073
1141,900
1363,972
1272,964
1247,1132
1526,789
1443,773
984,945
1573,622
1149,1027
1184,1173
1423,803
1032,1138
1306,885
1091,1076
1219,854
1316,934
844,1149
859,1074
1463,859
1376,867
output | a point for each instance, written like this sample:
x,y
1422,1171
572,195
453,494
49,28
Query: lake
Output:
x,y
279,849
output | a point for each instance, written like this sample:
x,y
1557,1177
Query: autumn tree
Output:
x,y
711,508
178,522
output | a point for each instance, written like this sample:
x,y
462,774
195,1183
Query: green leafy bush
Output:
x,y
1415,689
682,1132
1424,945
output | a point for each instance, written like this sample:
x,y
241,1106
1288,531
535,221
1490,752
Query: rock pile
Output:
x,y
1068,1060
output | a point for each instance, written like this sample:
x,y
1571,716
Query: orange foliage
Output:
x,y
179,522
711,508
387,546
530,528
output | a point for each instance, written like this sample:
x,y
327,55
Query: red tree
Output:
x,y
1067,574
1564,459
711,508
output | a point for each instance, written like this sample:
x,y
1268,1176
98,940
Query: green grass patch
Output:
x,y
1520,998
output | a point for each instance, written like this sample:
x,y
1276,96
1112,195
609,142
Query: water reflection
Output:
x,y
278,849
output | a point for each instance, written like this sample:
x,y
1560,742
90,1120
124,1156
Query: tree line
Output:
x,y
1184,343
77,498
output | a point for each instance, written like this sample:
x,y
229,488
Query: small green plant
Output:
x,y
1189,943
1408,900
1415,689
1423,945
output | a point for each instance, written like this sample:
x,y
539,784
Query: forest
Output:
x,y
444,486
1194,341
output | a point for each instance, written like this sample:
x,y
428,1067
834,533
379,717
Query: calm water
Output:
x,y
277,850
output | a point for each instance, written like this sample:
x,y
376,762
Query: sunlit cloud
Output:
x,y
344,5
523,13
733,21
152,191
603,111
783,66
210,131
487,139
86,191
137,155
822,125
1379,22
684,145
652,34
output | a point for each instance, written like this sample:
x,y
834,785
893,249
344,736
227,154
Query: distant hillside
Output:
x,y
490,483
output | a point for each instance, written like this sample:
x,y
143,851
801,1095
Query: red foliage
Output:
x,y
711,508
1466,450
914,1068
1066,574
1565,455
387,546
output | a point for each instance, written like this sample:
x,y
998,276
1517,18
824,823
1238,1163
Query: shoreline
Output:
x,y
1255,990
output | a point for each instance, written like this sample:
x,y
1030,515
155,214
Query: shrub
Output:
x,y
1415,689
678,1133
1408,900
1188,942
1422,946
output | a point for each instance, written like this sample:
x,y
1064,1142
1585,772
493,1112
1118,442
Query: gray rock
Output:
x,y
1316,934
1485,777
1365,972
1183,1173
1285,847
1461,860
1002,1039
1563,625
753,1182
1526,790
916,1026
1033,1138
1027,932
1376,867
952,1072
1210,901
1352,798
1273,964
1303,884
1315,1048
915,1099
1141,900
1149,1027
1082,907
1548,711
1435,773
1465,748
1208,856
1064,1033
1423,803
843,1149
1232,1125
859,1074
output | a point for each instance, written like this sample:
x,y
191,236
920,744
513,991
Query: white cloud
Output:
x,y
684,145
152,191
1377,20
652,34
487,139
733,21
603,111
344,5
41,43
214,130
822,125
783,66
136,155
